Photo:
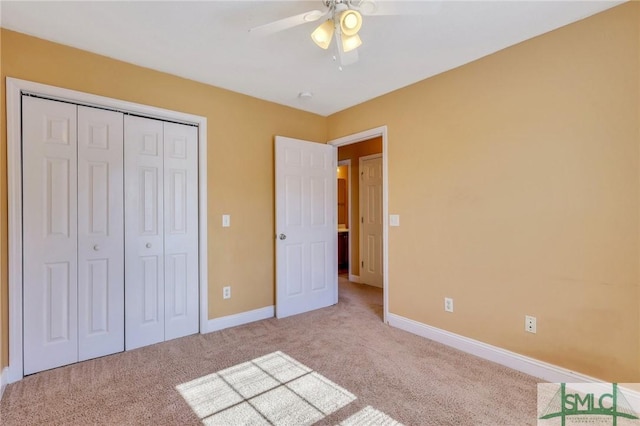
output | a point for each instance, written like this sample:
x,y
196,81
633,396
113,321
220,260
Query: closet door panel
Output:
x,y
144,232
181,230
50,234
100,232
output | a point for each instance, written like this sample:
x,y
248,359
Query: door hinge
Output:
x,y
362,220
362,263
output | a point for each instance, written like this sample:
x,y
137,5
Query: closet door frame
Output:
x,y
14,91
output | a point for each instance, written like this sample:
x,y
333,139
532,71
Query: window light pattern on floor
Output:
x,y
370,416
274,389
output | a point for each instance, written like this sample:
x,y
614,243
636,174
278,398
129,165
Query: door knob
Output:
x,y
96,247
283,237
148,245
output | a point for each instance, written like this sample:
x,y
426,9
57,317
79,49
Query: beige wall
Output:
x,y
240,138
353,152
517,181
516,178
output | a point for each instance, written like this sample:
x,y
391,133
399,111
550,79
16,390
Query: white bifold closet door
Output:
x,y
161,231
73,280
100,233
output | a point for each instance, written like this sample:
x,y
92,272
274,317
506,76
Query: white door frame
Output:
x,y
359,137
348,164
15,88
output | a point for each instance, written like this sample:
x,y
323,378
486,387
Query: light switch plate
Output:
x,y
394,220
226,220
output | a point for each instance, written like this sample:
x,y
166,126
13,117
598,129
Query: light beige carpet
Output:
x,y
392,375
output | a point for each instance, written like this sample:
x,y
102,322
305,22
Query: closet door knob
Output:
x,y
96,247
148,245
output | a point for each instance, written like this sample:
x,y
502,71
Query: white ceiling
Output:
x,y
208,41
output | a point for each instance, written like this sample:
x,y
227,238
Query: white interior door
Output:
x,y
371,220
306,227
144,233
100,233
180,230
50,234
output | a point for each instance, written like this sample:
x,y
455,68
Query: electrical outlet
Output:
x,y
226,292
448,304
530,324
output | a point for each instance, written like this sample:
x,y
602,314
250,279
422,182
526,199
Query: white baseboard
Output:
x,y
354,278
540,369
4,380
633,397
533,367
240,319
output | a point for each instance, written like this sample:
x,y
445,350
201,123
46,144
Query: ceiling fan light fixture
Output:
x,y
350,22
350,42
323,34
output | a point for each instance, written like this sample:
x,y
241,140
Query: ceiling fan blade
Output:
x,y
286,23
389,7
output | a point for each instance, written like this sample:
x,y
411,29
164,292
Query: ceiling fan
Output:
x,y
342,20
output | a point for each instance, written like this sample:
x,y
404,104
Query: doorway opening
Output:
x,y
362,210
344,217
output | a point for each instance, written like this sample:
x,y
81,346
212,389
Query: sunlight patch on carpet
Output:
x,y
370,416
274,389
